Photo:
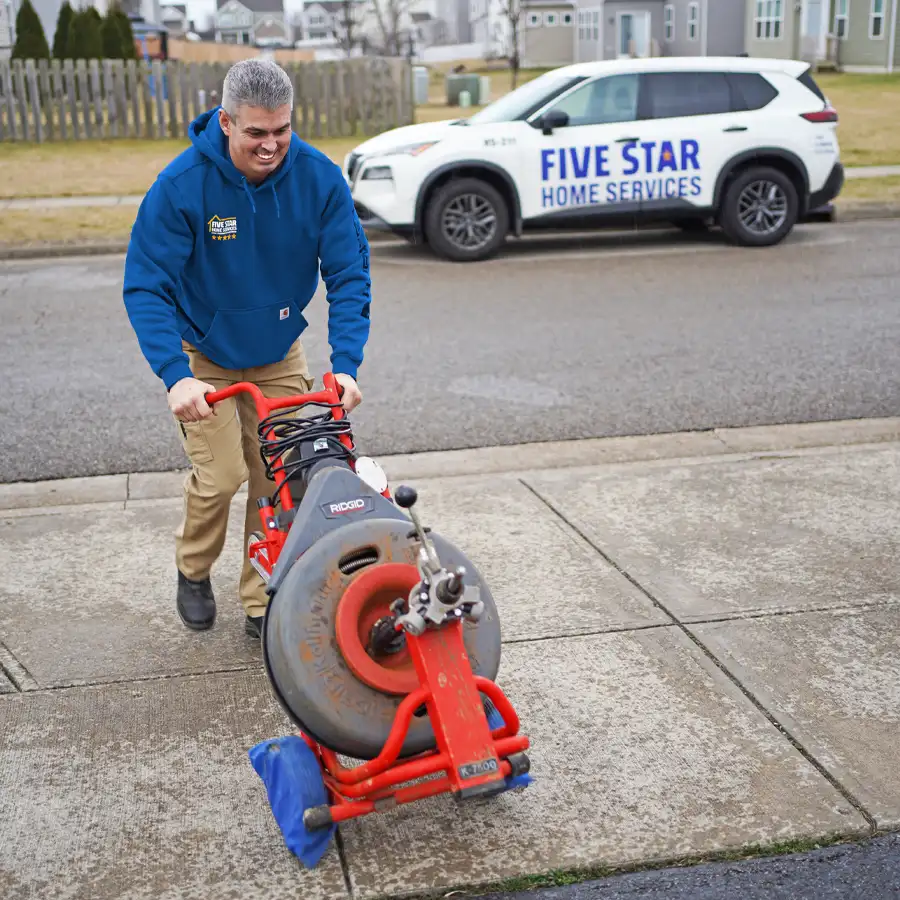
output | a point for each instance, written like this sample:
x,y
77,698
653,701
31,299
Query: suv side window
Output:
x,y
671,95
602,101
749,91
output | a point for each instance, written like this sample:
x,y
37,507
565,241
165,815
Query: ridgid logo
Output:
x,y
342,507
223,229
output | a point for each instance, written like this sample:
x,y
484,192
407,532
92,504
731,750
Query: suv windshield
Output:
x,y
525,99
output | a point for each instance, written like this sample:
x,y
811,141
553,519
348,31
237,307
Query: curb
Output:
x,y
855,212
111,248
506,461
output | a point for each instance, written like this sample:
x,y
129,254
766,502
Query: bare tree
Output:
x,y
512,10
389,15
346,21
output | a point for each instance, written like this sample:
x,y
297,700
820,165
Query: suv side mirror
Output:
x,y
556,118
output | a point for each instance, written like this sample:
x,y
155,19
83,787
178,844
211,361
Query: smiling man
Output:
x,y
224,257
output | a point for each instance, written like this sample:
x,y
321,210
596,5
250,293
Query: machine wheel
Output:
x,y
466,220
335,691
759,208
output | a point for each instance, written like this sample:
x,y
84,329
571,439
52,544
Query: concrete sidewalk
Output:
x,y
135,199
700,639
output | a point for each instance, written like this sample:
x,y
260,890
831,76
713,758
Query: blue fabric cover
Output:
x,y
293,780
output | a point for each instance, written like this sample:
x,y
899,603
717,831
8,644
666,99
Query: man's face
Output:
x,y
258,139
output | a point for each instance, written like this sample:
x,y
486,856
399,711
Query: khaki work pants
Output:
x,y
224,453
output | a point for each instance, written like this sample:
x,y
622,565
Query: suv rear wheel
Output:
x,y
760,207
466,220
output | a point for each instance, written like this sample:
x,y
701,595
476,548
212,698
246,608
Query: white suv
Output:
x,y
748,144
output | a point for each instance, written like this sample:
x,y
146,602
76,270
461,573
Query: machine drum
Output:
x,y
332,682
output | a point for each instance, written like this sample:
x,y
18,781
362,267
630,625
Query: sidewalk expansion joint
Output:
x,y
141,679
18,675
696,640
345,864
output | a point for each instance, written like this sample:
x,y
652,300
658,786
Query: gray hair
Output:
x,y
256,82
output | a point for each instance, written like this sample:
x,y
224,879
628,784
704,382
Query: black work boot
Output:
x,y
254,625
196,604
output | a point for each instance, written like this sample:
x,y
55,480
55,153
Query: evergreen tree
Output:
x,y
129,51
85,40
61,38
30,40
112,37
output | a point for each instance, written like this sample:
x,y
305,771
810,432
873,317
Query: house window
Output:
x,y
567,18
669,22
876,19
841,17
595,23
534,20
550,19
769,20
693,22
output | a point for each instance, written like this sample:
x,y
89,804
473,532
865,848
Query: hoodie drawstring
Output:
x,y
277,206
250,197
249,194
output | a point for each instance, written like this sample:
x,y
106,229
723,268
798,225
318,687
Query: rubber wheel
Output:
x,y
309,674
466,220
760,208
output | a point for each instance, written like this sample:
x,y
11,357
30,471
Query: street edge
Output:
x,y
854,212
501,461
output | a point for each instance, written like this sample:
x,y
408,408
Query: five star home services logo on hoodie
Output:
x,y
223,229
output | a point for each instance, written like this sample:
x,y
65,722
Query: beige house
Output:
x,y
548,33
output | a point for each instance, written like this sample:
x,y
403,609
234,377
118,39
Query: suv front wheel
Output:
x,y
466,220
760,207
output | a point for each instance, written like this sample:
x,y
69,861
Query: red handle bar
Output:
x,y
265,406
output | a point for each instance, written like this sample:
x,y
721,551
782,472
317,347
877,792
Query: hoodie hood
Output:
x,y
208,138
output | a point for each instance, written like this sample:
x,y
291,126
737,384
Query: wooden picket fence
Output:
x,y
76,100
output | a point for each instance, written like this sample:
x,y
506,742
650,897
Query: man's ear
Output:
x,y
224,122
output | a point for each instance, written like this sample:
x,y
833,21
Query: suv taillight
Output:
x,y
829,114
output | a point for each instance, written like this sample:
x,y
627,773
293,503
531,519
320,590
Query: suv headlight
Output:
x,y
412,149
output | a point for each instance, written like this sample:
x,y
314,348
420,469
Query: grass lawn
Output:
x,y
868,121
22,227
869,134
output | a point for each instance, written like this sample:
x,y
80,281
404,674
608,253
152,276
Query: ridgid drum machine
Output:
x,y
381,640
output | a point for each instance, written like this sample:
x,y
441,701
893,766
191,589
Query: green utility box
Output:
x,y
478,87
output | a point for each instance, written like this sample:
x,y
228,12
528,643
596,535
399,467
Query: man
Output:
x,y
224,257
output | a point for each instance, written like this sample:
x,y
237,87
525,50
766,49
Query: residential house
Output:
x,y
547,33
253,22
854,35
489,26
611,29
7,38
175,18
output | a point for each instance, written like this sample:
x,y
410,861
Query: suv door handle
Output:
x,y
735,128
629,140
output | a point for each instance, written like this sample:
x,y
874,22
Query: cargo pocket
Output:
x,y
195,442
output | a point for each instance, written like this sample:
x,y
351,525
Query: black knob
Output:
x,y
405,496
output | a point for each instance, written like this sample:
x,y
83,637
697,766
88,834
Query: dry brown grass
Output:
x,y
87,224
93,224
869,124
869,134
870,190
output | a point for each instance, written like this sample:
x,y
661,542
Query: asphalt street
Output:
x,y
560,338
870,869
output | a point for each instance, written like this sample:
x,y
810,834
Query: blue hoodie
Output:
x,y
230,267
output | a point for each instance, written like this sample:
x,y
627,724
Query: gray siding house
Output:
x,y
547,33
853,35
610,29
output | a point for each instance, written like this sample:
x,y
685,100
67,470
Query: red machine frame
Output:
x,y
474,760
